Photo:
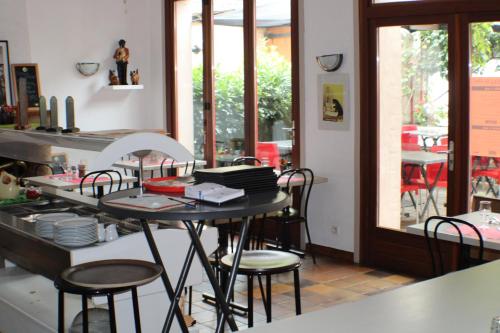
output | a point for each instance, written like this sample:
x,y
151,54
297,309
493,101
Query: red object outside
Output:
x,y
268,151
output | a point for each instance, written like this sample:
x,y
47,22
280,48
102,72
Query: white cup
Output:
x,y
111,233
101,233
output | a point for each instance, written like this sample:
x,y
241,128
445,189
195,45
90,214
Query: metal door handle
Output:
x,y
451,155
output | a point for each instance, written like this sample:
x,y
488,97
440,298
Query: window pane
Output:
x,y
229,84
484,101
274,81
190,75
413,123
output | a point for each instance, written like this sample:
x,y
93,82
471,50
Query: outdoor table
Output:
x,y
250,205
422,159
490,232
435,135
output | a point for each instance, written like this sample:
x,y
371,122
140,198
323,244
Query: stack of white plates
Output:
x,y
45,222
78,231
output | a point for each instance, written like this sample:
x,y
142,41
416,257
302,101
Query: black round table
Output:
x,y
250,205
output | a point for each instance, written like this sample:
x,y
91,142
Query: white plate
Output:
x,y
54,217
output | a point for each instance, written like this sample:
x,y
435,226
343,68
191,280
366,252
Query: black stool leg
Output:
x,y
268,298
296,282
60,322
85,314
112,317
137,317
190,305
250,300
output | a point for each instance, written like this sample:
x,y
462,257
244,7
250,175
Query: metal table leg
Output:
x,y
232,274
164,276
222,300
431,188
182,280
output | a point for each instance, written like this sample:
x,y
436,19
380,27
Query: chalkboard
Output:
x,y
30,72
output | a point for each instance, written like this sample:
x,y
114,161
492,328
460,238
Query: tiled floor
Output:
x,y
325,284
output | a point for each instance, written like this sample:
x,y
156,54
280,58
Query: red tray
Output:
x,y
158,185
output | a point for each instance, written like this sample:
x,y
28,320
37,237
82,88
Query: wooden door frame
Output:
x,y
251,111
389,248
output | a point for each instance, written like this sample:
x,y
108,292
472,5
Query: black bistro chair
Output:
x,y
188,169
290,215
266,263
248,160
105,278
465,259
100,189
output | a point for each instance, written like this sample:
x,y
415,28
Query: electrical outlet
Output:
x,y
335,229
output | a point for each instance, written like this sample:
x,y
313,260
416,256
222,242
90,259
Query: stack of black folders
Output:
x,y
253,179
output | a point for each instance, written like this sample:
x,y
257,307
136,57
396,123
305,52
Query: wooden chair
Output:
x,y
464,260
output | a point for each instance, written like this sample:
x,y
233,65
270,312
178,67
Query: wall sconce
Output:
x,y
330,62
87,68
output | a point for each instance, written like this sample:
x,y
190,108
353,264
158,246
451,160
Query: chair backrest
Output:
x,y
246,160
188,168
464,259
305,179
268,151
98,174
409,127
409,138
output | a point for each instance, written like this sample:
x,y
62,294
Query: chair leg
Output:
x,y
268,298
60,318
250,300
112,317
190,297
85,315
137,316
309,239
296,283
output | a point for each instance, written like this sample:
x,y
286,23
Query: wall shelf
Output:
x,y
125,87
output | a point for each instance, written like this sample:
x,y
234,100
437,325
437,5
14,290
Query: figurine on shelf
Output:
x,y
134,77
121,58
113,79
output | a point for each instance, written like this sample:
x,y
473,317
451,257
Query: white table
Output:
x,y
58,182
474,218
460,302
422,159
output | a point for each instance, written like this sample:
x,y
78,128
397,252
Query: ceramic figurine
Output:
x,y
121,58
134,77
113,79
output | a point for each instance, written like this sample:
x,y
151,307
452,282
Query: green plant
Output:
x,y
274,97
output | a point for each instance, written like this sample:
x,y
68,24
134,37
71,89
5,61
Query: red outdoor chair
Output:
x,y
268,151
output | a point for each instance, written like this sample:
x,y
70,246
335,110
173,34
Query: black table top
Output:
x,y
249,205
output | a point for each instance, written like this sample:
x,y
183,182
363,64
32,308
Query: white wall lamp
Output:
x,y
330,62
87,68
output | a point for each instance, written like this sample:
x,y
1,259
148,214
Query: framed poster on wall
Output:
x,y
30,73
333,101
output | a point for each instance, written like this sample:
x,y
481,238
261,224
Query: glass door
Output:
x,y
484,101
413,109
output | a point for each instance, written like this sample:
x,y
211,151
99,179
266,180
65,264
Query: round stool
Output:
x,y
105,278
265,263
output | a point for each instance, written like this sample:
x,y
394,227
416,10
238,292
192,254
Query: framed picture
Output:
x,y
30,73
333,101
5,87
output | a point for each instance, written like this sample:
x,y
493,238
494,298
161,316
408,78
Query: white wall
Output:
x,y
56,34
328,27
